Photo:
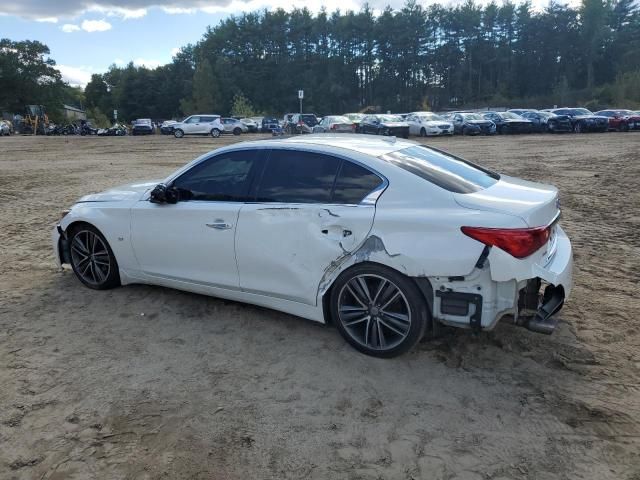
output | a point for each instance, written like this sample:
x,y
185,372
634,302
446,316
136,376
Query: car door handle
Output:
x,y
345,233
219,225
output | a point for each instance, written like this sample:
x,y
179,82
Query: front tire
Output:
x,y
378,311
178,133
423,132
577,128
92,259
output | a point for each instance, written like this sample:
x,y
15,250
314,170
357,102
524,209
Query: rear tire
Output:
x,y
237,131
215,133
378,311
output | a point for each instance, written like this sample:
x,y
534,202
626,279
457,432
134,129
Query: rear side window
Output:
x,y
442,169
354,183
298,177
292,176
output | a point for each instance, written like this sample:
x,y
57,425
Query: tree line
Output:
x,y
435,57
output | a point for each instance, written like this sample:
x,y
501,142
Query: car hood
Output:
x,y
132,191
595,117
478,122
394,124
513,120
535,203
435,123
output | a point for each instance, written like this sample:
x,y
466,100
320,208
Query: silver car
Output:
x,y
198,125
231,125
334,124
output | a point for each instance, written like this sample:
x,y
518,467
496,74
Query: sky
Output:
x,y
87,36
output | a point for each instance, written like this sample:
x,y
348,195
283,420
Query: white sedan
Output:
x,y
385,238
425,124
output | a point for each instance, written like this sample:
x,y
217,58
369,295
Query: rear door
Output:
x,y
310,210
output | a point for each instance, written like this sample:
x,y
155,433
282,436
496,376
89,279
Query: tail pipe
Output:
x,y
552,302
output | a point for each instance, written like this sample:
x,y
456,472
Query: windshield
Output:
x,y
354,116
581,111
339,119
390,118
442,169
472,116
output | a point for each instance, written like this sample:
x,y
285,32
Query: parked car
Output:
x,y
167,127
384,125
469,123
428,124
268,124
621,120
335,124
252,126
143,126
520,111
355,118
5,128
583,120
301,123
542,122
199,125
508,122
435,239
231,125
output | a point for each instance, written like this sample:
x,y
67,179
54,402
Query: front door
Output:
x,y
193,240
303,220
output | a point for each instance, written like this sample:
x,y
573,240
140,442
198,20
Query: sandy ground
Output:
x,y
149,383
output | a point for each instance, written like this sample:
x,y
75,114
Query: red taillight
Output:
x,y
300,122
519,242
334,126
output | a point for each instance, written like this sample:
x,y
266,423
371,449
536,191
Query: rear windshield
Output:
x,y
443,169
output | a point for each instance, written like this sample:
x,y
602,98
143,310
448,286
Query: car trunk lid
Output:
x,y
536,204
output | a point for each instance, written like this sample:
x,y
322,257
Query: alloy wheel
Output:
x,y
90,257
374,312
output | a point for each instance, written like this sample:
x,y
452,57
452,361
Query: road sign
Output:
x,y
115,114
300,94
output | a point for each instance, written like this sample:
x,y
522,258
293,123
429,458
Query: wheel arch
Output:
x,y
422,283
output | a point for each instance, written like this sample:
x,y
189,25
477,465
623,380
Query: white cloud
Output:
x,y
178,10
95,25
175,51
47,20
119,62
69,28
124,12
76,76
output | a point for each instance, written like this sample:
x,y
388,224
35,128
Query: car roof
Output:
x,y
366,144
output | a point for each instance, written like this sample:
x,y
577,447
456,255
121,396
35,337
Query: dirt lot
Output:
x,y
149,383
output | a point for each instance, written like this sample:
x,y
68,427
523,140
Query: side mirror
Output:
x,y
163,194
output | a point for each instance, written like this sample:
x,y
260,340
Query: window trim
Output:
x,y
369,200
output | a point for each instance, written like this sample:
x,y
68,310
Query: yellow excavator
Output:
x,y
35,121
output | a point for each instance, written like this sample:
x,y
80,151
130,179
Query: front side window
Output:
x,y
442,169
298,177
224,177
193,120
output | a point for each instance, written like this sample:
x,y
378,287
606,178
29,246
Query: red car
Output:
x,y
621,120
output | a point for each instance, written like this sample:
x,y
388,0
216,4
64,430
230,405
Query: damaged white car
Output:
x,y
384,238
